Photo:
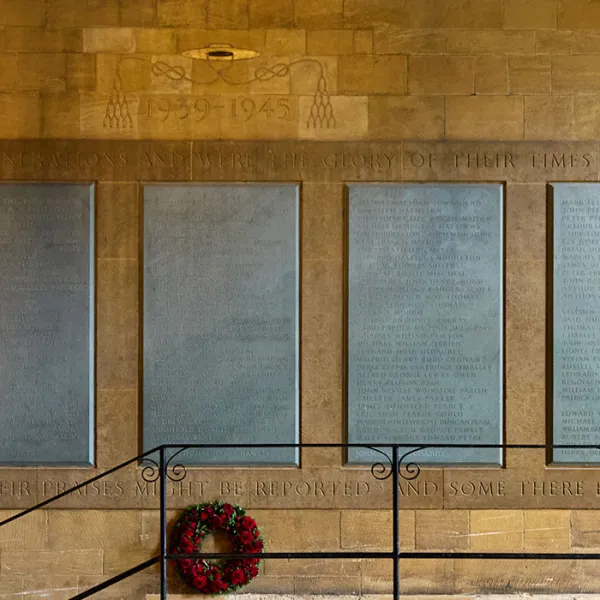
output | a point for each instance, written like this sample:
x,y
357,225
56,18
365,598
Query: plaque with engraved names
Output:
x,y
46,324
576,324
425,289
221,320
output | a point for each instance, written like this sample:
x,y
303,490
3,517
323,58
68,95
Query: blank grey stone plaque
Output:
x,y
46,324
576,331
425,319
221,320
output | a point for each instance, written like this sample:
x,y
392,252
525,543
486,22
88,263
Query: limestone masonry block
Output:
x,y
549,117
547,530
525,411
285,42
264,13
330,41
525,324
442,530
38,39
327,585
30,531
181,13
90,530
155,40
20,115
410,117
390,39
372,75
575,74
81,72
49,585
496,531
59,562
322,310
491,42
526,219
363,41
116,426
232,14
73,13
109,39
60,115
23,12
585,529
137,13
9,73
300,530
587,117
532,14
351,116
357,13
491,75
568,42
440,75
117,324
371,530
484,117
117,220
578,14
42,72
529,74
319,14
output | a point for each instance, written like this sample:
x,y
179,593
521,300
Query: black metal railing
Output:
x,y
399,461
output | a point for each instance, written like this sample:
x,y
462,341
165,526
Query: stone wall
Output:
x,y
432,69
395,70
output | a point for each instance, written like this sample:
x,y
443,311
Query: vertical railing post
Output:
x,y
395,522
163,524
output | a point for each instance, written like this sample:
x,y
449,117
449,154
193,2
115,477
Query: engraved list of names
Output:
x,y
221,320
576,334
425,319
46,324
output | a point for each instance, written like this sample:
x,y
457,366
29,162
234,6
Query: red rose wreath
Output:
x,y
201,520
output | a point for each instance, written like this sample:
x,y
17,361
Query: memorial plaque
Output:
x,y
221,320
425,319
576,331
46,324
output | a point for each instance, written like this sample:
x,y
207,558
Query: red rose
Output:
x,y
258,545
197,570
185,564
238,577
256,533
204,515
186,545
253,571
228,509
200,582
217,584
216,521
246,537
248,523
